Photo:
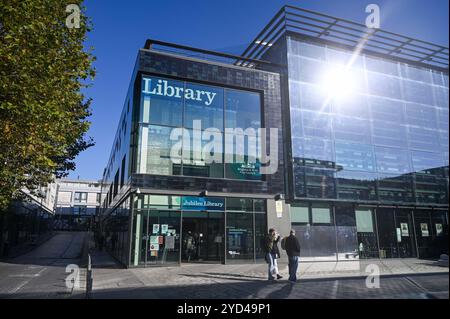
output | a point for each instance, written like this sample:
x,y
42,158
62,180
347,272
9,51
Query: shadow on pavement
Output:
x,y
354,288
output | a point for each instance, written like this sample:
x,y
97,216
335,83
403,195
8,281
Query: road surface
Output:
x,y
41,273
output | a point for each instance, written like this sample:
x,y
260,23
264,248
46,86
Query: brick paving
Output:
x,y
405,278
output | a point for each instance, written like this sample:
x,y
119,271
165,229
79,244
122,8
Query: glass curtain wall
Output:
x,y
170,230
116,232
378,134
358,232
156,230
173,140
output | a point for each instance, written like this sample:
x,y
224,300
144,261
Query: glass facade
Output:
x,y
173,140
386,140
383,139
344,231
172,229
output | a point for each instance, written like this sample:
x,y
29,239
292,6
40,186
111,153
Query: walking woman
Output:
x,y
272,253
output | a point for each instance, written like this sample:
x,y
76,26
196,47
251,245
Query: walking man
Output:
x,y
293,251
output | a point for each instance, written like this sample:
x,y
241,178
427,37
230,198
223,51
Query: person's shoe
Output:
x,y
279,276
292,281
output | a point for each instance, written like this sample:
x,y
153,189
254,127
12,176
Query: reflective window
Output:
x,y
355,106
193,108
80,197
162,101
321,215
387,110
356,185
239,204
195,161
312,71
351,129
418,92
315,124
320,182
421,115
155,150
395,188
309,50
239,236
443,117
393,161
207,106
241,157
389,134
314,151
383,85
423,139
374,142
308,97
424,161
243,109
341,57
441,95
354,157
438,79
416,74
299,214
382,66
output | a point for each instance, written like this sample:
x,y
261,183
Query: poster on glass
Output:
x,y
404,228
424,229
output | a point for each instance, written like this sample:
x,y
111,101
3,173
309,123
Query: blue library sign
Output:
x,y
202,203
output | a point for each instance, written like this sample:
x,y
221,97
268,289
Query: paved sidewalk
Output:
x,y
250,280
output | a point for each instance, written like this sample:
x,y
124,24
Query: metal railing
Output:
x,y
209,55
322,27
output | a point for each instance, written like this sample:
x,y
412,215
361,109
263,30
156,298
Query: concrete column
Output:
x,y
281,222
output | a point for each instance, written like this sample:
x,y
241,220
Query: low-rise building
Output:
x,y
77,203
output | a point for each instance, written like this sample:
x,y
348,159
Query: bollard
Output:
x,y
89,278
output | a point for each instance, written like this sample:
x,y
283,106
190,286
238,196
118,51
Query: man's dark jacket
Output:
x,y
292,246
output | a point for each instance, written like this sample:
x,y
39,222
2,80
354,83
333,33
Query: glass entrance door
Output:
x,y
405,233
202,237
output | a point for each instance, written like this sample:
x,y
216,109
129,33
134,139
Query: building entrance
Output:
x,y
202,237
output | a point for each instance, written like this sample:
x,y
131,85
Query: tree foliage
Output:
x,y
43,113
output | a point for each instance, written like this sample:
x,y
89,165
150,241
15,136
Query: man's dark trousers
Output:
x,y
293,265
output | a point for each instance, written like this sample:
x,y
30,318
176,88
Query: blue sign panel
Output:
x,y
202,203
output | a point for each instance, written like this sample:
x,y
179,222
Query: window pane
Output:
x,y
321,215
354,185
196,164
364,221
421,115
351,129
392,160
155,151
387,110
162,101
299,214
418,92
354,156
383,85
207,106
241,204
239,236
241,157
243,109
382,66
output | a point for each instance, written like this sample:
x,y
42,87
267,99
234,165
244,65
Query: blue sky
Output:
x,y
121,28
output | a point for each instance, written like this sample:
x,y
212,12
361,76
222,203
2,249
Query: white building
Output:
x,y
77,202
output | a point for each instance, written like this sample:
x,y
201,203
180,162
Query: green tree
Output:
x,y
43,113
